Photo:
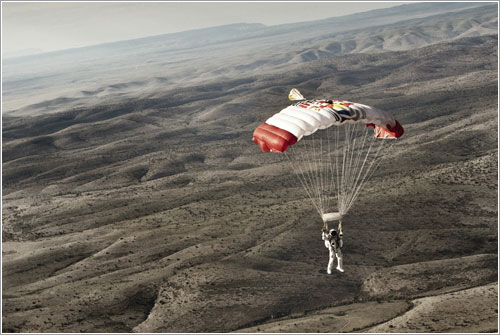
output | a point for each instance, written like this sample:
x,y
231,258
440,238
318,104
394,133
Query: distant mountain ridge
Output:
x,y
66,79
192,38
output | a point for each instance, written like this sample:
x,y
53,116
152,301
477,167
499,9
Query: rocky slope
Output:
x,y
160,214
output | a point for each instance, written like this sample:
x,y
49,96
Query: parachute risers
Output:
x,y
332,217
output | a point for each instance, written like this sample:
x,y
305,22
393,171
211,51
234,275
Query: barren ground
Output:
x,y
161,215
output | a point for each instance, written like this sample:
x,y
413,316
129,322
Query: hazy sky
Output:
x,y
47,26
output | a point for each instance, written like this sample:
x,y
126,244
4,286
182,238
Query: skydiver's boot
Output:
x,y
340,262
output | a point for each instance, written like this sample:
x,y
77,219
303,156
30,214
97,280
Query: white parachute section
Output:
x,y
308,116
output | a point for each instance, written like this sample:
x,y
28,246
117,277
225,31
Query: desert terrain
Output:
x,y
140,209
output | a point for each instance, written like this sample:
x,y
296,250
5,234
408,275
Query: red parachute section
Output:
x,y
388,132
271,138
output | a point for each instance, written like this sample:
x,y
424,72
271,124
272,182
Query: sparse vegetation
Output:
x,y
158,213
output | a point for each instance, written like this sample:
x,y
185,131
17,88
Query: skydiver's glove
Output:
x,y
325,228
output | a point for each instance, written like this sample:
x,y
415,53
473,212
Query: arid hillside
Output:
x,y
160,214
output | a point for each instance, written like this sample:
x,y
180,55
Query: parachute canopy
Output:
x,y
331,163
308,116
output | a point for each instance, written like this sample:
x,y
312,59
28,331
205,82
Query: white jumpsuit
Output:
x,y
335,250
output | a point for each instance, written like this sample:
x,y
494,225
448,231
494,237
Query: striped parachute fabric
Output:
x,y
308,116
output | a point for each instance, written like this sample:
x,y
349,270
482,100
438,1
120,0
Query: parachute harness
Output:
x,y
325,227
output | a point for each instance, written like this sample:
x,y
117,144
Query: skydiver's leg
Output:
x,y
340,266
330,262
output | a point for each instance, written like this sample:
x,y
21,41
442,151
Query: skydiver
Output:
x,y
334,243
